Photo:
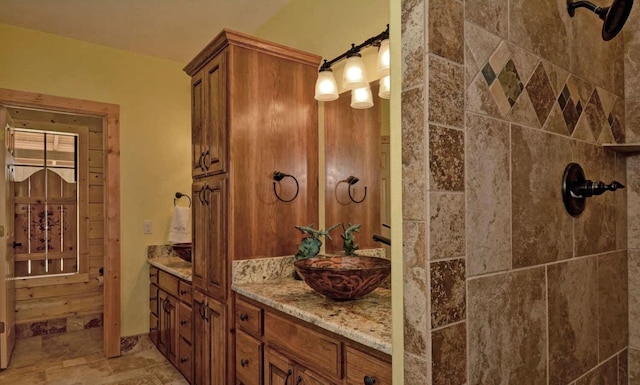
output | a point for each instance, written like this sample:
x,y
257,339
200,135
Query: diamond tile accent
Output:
x,y
489,74
510,81
571,110
541,93
595,115
610,119
571,116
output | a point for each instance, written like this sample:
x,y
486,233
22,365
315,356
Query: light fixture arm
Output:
x,y
375,40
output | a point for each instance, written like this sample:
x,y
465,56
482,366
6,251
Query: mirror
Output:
x,y
357,169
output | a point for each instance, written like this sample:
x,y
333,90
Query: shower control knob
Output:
x,y
588,188
576,189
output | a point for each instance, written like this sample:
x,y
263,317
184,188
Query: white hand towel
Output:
x,y
180,231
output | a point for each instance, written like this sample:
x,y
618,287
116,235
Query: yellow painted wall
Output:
x,y
155,138
329,27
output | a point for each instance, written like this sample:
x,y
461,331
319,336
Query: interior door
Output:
x,y
7,284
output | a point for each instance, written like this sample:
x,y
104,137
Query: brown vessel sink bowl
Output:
x,y
343,278
183,250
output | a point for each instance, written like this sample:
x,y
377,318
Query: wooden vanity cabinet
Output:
x,y
171,319
297,353
253,113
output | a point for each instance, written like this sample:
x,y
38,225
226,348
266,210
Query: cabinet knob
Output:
x,y
369,380
183,292
243,317
244,362
183,322
183,360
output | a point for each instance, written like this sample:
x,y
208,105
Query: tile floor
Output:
x,y
75,358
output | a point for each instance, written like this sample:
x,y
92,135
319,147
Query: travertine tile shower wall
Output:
x,y
632,100
502,286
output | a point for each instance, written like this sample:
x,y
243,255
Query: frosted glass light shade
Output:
x,y
354,75
384,58
361,98
326,87
385,87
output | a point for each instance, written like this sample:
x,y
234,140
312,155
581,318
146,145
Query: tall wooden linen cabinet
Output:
x,y
253,113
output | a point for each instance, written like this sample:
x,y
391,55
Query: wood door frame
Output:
x,y
110,114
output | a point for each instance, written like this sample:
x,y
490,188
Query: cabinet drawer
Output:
x,y
361,365
317,351
153,299
168,283
184,293
249,318
153,274
184,323
185,359
248,359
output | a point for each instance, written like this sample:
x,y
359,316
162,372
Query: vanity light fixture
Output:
x,y
354,74
361,98
384,58
385,87
326,86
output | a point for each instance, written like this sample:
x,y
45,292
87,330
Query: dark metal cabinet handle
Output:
x,y
243,317
16,244
200,160
183,322
244,362
299,380
207,164
183,360
286,379
369,380
183,292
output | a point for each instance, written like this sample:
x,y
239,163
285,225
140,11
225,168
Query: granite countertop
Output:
x,y
366,320
173,265
164,258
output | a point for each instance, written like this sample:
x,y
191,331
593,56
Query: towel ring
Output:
x,y
180,195
351,181
277,177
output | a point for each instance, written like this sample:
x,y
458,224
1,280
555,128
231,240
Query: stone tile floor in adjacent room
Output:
x,y
76,358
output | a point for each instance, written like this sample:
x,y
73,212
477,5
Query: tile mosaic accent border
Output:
x,y
504,88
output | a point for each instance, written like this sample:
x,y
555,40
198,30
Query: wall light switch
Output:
x,y
148,226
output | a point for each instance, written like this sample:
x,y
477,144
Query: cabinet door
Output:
x,y
200,339
216,199
210,236
217,323
200,242
168,326
210,341
215,104
199,138
278,370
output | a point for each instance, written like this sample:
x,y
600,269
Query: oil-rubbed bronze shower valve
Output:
x,y
576,188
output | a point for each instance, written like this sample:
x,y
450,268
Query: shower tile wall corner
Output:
x,y
631,108
495,104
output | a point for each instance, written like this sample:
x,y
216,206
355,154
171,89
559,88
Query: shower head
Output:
x,y
613,17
